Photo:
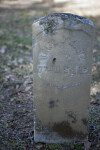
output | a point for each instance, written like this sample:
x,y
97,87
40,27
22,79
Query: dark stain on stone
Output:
x,y
53,103
74,120
72,116
84,120
65,130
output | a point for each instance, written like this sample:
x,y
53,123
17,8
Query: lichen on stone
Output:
x,y
49,25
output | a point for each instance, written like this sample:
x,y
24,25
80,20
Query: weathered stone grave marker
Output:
x,y
62,57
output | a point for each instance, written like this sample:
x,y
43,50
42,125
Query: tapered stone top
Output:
x,y
50,23
65,16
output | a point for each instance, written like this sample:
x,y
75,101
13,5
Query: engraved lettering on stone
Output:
x,y
43,58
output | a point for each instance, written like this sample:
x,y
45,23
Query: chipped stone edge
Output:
x,y
66,16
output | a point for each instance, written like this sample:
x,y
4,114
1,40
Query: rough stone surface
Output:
x,y
62,57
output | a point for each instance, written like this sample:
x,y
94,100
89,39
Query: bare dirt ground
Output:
x,y
16,72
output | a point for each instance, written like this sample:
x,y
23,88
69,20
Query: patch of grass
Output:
x,y
96,76
78,146
56,146
1,137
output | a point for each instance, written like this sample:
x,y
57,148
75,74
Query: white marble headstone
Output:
x,y
62,58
